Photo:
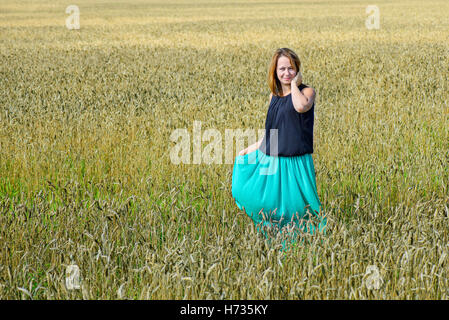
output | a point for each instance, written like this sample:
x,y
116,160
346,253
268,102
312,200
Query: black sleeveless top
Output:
x,y
295,130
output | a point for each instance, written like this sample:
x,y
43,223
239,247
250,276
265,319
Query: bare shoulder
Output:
x,y
271,96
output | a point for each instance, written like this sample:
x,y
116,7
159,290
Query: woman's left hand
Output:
x,y
298,78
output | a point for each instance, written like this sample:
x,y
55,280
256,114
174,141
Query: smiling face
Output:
x,y
285,71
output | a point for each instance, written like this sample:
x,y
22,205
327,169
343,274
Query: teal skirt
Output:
x,y
278,193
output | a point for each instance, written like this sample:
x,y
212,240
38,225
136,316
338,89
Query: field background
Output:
x,y
85,173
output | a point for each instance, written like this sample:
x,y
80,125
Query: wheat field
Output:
x,y
86,177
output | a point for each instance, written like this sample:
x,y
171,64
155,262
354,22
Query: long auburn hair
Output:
x,y
273,81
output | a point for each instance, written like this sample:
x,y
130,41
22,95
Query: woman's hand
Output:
x,y
298,78
251,148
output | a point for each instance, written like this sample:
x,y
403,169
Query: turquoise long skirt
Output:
x,y
278,193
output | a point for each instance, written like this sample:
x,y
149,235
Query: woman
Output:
x,y
273,180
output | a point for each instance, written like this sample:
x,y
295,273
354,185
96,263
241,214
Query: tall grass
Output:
x,y
86,177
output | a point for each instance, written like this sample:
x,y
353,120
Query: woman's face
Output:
x,y
285,71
